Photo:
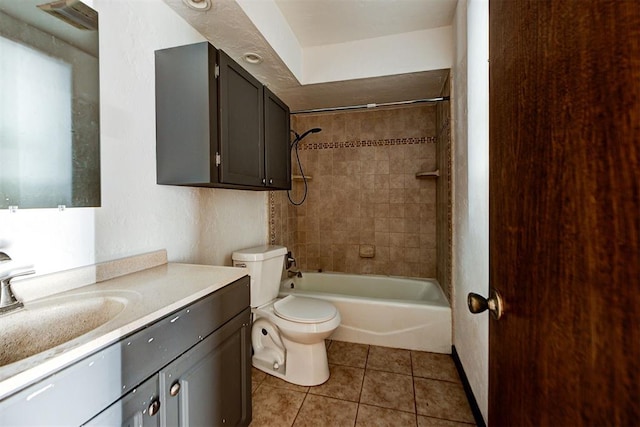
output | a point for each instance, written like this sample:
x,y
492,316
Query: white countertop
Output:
x,y
150,295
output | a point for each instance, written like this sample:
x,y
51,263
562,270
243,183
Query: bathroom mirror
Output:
x,y
49,104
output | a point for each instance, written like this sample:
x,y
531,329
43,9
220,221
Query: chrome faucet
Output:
x,y
289,261
293,272
8,301
290,264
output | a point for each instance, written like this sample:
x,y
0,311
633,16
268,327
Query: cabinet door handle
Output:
x,y
154,407
175,389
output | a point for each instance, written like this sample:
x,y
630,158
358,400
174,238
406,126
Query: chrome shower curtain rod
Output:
x,y
384,104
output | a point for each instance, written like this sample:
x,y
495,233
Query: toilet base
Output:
x,y
305,364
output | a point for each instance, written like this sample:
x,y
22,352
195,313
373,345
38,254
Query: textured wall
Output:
x,y
137,215
444,233
363,193
470,86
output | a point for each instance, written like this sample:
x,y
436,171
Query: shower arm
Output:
x,y
299,137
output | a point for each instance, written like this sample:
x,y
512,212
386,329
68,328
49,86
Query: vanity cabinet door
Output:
x,y
138,408
210,385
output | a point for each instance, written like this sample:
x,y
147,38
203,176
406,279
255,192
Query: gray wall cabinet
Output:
x,y
191,368
276,139
216,125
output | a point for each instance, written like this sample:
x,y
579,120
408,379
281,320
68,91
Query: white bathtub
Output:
x,y
380,310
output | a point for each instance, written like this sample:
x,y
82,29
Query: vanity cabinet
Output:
x,y
208,385
217,125
211,383
139,408
191,367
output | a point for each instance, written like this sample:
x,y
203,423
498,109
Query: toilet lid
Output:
x,y
304,310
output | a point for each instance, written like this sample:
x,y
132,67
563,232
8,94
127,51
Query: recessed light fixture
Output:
x,y
199,5
252,58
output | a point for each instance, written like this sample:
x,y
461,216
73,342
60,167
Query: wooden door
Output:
x,y
564,212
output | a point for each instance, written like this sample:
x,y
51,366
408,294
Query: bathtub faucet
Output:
x,y
293,272
289,261
290,264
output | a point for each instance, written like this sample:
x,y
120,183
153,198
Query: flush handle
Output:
x,y
478,304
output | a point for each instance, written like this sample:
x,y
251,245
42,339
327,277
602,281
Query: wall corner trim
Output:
x,y
475,409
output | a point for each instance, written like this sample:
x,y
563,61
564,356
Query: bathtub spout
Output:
x,y
293,272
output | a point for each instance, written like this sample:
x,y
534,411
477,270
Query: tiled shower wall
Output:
x,y
363,196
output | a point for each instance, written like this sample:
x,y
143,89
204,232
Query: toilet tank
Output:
x,y
265,268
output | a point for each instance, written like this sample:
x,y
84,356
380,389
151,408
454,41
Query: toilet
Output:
x,y
288,333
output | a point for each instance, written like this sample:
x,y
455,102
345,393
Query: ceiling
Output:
x,y
320,23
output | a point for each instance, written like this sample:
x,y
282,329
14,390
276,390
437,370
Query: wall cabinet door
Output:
x,y
210,385
276,142
186,115
241,125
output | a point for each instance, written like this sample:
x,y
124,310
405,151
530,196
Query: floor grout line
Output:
x,y
413,384
300,408
359,403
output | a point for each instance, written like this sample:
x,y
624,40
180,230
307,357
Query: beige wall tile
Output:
x,y
397,225
365,194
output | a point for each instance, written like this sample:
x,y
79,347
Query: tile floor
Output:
x,y
369,386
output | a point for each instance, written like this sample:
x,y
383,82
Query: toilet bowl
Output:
x,y
301,337
287,333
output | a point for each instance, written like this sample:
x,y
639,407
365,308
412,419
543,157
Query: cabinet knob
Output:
x,y
175,389
270,181
264,181
154,407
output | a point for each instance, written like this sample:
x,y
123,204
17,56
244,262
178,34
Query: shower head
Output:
x,y
297,139
300,137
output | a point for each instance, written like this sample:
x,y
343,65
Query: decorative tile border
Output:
x,y
367,143
272,218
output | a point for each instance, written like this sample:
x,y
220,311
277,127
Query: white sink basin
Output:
x,y
45,324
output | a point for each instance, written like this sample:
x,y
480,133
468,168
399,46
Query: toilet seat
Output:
x,y
304,310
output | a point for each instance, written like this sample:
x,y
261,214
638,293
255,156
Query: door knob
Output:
x,y
478,303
